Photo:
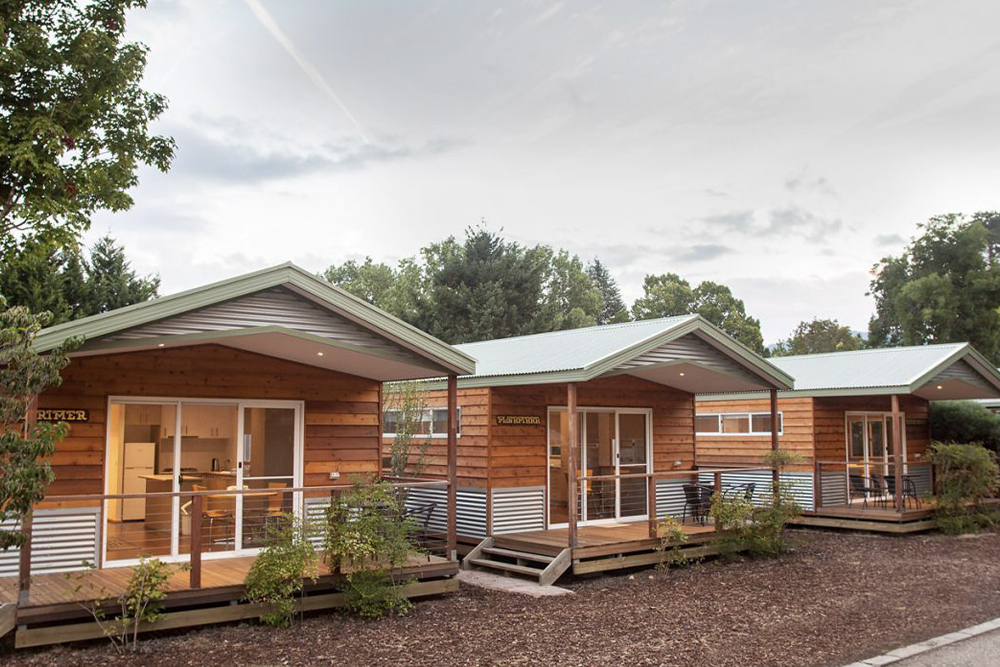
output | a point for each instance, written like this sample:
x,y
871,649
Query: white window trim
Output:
x,y
748,415
429,412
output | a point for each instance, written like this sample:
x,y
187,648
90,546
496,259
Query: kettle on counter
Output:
x,y
215,465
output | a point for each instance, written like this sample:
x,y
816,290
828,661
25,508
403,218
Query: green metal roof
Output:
x,y
577,355
408,337
903,370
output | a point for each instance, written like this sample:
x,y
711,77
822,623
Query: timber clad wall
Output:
x,y
727,450
814,428
341,411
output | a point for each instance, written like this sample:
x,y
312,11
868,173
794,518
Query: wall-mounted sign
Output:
x,y
62,415
519,420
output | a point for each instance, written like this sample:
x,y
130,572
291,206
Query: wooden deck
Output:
x,y
58,598
595,541
874,518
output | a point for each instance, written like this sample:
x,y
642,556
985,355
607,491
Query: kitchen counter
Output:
x,y
167,477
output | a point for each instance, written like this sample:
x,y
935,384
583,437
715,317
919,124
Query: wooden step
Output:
x,y
523,555
532,572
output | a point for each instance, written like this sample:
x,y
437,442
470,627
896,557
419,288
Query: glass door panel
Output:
x,y
599,459
207,461
268,458
140,435
633,448
558,467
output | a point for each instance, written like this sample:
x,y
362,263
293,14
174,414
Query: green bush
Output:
x,y
672,540
367,538
966,474
278,574
964,421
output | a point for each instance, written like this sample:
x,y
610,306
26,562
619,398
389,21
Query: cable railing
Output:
x,y
872,484
75,531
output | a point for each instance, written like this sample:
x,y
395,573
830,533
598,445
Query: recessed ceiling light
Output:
x,y
161,345
319,354
940,387
682,373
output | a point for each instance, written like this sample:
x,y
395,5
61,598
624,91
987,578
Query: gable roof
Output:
x,y
944,371
282,311
681,351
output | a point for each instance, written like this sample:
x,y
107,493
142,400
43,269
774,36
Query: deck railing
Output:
x,y
210,523
639,491
872,483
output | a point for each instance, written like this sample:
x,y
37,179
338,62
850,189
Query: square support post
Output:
x,y
574,450
453,467
197,514
897,454
774,436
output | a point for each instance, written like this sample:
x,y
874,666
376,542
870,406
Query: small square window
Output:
x,y
707,423
736,423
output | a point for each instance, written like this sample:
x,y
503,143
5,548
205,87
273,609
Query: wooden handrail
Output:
x,y
233,492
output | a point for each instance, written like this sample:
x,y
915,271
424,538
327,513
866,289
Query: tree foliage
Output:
x,y
612,306
964,421
73,117
668,295
60,279
819,336
24,447
944,288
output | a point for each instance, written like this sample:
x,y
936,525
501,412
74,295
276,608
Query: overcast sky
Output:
x,y
778,147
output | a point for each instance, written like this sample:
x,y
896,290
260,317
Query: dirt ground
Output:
x,y
838,597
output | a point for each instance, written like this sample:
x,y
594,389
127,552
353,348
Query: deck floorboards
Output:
x,y
592,541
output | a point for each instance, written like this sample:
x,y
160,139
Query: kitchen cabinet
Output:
x,y
208,421
143,415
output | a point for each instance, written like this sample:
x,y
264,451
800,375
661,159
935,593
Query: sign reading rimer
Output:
x,y
62,415
519,420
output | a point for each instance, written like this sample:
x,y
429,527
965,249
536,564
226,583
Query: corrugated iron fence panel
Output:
x,y
62,540
800,483
518,509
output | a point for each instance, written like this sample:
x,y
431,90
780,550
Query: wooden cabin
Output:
x,y
197,417
606,410
840,419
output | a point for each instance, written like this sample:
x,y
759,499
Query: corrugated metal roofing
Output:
x,y
563,350
888,367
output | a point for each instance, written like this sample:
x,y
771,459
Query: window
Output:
x,y
736,423
433,423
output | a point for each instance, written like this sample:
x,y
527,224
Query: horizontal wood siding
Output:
x,y
831,436
725,450
518,453
341,411
472,451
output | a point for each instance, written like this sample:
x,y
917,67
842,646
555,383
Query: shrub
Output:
x,y
373,594
141,602
964,421
367,537
278,574
966,474
672,543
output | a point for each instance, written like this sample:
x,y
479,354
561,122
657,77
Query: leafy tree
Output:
x,y
964,422
370,281
669,295
111,282
24,448
571,296
819,336
73,117
944,288
612,306
43,276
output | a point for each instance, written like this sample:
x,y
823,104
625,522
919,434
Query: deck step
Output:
x,y
532,572
523,555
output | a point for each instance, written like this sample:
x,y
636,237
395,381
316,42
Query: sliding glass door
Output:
x,y
869,448
614,442
191,445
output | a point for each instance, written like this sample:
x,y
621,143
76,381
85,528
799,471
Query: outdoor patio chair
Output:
x,y
421,516
746,490
698,500
880,488
909,489
859,487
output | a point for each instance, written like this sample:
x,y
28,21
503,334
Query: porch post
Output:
x,y
897,453
453,467
24,560
572,458
774,434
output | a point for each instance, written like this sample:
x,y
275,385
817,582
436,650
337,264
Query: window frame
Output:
x,y
428,418
749,416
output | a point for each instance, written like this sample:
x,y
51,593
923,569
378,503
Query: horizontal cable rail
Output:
x,y
672,473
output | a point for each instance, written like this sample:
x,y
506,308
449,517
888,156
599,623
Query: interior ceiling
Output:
x,y
304,351
953,390
696,379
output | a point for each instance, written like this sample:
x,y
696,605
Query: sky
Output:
x,y
781,148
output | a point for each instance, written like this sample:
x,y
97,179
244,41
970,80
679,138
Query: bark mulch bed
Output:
x,y
838,597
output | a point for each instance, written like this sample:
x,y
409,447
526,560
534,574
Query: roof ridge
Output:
x,y
873,350
603,327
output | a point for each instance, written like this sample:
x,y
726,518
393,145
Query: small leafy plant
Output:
x,y
140,603
966,475
367,538
278,574
672,541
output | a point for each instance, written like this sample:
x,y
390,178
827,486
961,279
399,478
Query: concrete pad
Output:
x,y
881,660
496,582
909,654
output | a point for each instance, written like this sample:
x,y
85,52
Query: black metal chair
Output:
x,y
880,488
909,489
859,487
699,502
746,490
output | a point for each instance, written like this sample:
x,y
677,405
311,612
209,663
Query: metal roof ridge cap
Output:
x,y
557,332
